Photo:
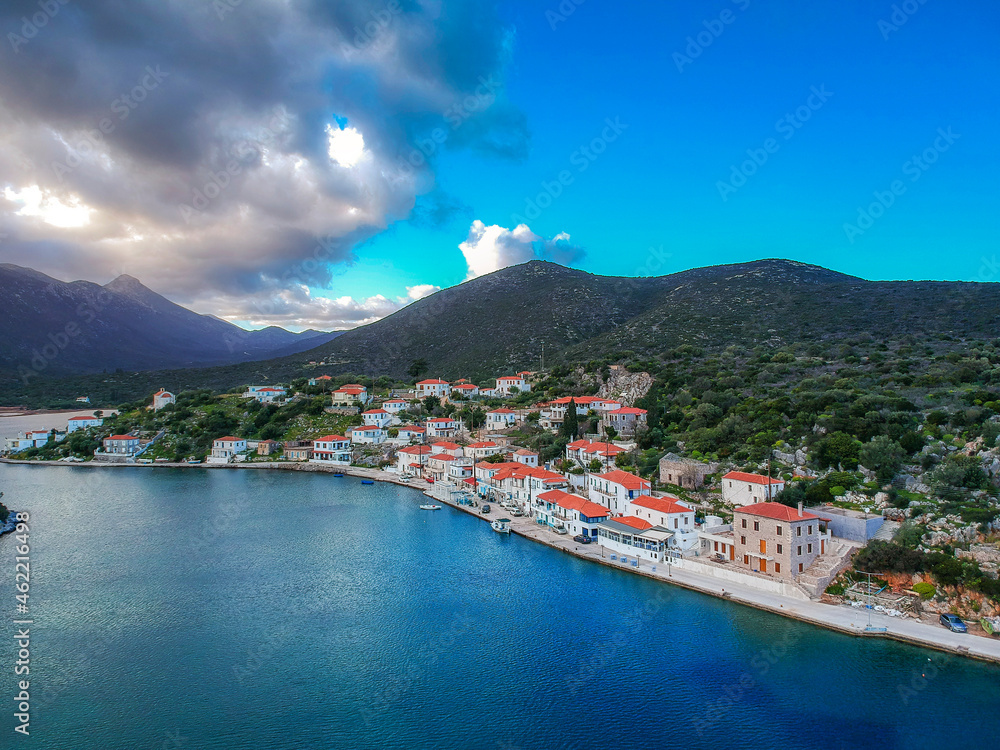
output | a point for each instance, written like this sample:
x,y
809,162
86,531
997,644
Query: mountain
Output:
x,y
501,322
61,327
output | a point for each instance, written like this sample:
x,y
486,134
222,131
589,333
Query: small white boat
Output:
x,y
430,507
501,525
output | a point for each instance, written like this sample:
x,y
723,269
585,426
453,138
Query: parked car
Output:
x,y
581,539
559,529
485,508
953,623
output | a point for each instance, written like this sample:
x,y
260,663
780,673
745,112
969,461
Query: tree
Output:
x,y
431,404
884,456
571,423
838,449
417,368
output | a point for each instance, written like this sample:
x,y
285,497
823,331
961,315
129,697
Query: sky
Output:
x,y
322,164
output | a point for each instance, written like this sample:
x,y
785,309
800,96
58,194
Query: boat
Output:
x,y
990,626
501,525
430,507
367,481
338,475
194,461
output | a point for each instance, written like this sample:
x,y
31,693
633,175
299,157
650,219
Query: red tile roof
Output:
x,y
574,502
113,437
376,411
524,452
776,511
627,410
228,439
661,504
433,382
412,428
445,445
742,476
439,420
484,444
331,439
635,523
416,450
626,480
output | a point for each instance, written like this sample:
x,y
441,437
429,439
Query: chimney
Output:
x,y
800,509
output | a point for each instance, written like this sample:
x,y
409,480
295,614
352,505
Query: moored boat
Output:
x,y
501,525
367,481
430,507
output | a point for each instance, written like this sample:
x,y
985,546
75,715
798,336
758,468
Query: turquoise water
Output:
x,y
243,609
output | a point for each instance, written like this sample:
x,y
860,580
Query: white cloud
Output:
x,y
346,146
490,248
420,291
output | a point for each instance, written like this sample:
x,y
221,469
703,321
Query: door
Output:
x,y
763,565
732,552
763,547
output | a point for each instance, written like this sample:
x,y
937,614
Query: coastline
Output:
x,y
841,619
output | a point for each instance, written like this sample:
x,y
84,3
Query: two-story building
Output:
x,y
351,394
625,420
82,422
668,513
409,433
332,449
526,457
321,380
635,537
438,427
466,390
510,385
378,418
433,387
123,445
445,446
501,419
395,405
775,538
574,513
412,459
367,435
480,450
614,489
298,450
265,394
742,488
227,448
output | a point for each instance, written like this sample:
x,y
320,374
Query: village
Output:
x,y
737,533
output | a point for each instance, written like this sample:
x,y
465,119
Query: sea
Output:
x,y
199,608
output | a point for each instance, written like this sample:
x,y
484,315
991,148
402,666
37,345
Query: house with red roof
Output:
x,y
351,394
668,513
501,419
636,539
367,435
226,449
82,422
126,445
519,485
526,457
777,539
395,405
510,385
265,394
742,488
465,389
433,387
480,450
412,459
332,449
320,380
446,446
441,427
583,452
378,418
614,489
577,515
625,420
410,433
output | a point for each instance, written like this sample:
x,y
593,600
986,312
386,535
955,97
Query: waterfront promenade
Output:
x,y
926,632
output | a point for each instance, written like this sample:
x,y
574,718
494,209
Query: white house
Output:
x,y
434,387
468,390
501,419
479,451
121,444
320,380
574,513
441,427
668,513
740,488
31,439
614,489
526,457
412,459
227,448
349,395
511,384
516,483
368,435
584,451
634,537
378,418
452,449
335,449
82,422
409,433
265,394
163,398
625,420
395,405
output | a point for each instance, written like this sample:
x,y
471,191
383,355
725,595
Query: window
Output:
x,y
799,548
779,549
809,548
756,525
778,530
675,523
777,567
800,567
746,559
810,529
743,540
744,523
798,531
749,488
716,546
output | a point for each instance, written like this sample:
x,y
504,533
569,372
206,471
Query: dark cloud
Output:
x,y
192,135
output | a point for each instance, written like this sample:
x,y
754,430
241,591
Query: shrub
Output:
x,y
926,590
835,589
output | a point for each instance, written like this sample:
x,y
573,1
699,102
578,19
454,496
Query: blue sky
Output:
x,y
355,156
691,119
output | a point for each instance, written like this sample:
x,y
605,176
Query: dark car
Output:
x,y
953,623
581,539
485,508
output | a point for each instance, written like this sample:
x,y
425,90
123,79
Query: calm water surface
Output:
x,y
247,609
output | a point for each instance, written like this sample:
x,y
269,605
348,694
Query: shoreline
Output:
x,y
846,620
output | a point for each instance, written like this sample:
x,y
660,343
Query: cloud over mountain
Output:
x,y
490,248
